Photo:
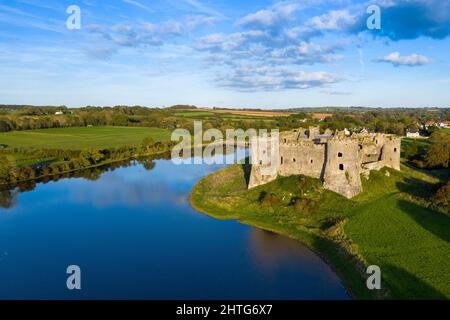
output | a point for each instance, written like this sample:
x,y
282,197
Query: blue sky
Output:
x,y
266,54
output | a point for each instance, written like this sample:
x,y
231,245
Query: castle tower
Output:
x,y
390,153
342,170
313,132
265,160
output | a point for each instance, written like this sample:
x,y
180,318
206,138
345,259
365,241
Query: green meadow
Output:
x,y
76,138
223,115
388,225
194,114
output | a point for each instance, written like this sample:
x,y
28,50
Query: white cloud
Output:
x,y
139,5
201,8
271,17
304,53
332,21
230,42
144,34
412,60
193,22
266,78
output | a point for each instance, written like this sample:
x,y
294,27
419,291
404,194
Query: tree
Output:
x,y
92,156
149,164
4,126
438,153
412,150
148,142
6,166
442,197
8,199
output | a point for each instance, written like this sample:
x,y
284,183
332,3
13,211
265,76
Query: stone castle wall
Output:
x,y
307,159
342,169
337,160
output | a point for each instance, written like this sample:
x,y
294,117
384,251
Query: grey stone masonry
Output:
x,y
338,160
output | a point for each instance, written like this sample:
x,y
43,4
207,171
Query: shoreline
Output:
x,y
347,266
320,254
9,186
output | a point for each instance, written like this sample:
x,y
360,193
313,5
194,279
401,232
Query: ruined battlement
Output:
x,y
335,158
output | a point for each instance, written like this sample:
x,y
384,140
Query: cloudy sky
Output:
x,y
228,53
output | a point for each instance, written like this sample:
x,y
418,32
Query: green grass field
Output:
x,y
205,115
384,226
81,137
194,114
420,142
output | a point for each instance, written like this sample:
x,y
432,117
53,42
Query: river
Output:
x,y
134,235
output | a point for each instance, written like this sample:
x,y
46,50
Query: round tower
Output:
x,y
342,170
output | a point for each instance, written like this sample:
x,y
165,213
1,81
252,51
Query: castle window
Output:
x,y
285,140
395,149
341,167
360,147
311,161
340,154
281,160
260,162
293,160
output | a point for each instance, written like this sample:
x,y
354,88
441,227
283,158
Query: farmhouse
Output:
x,y
338,160
444,124
412,134
430,124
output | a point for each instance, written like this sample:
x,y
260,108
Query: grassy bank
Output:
x,y
385,226
77,138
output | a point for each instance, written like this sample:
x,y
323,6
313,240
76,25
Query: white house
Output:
x,y
412,134
59,113
445,124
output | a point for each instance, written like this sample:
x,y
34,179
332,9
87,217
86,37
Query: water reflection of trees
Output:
x,y
9,194
8,198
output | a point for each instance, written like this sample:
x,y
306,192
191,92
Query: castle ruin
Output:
x,y
337,159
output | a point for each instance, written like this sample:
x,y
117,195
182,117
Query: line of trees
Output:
x,y
433,155
9,194
64,161
379,120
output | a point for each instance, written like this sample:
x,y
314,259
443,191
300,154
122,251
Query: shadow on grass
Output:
x,y
417,188
436,223
404,285
247,169
442,174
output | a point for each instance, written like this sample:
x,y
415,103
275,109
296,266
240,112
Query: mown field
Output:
x,y
194,114
232,115
235,113
77,138
386,225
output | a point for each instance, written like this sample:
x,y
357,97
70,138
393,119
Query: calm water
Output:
x,y
134,235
